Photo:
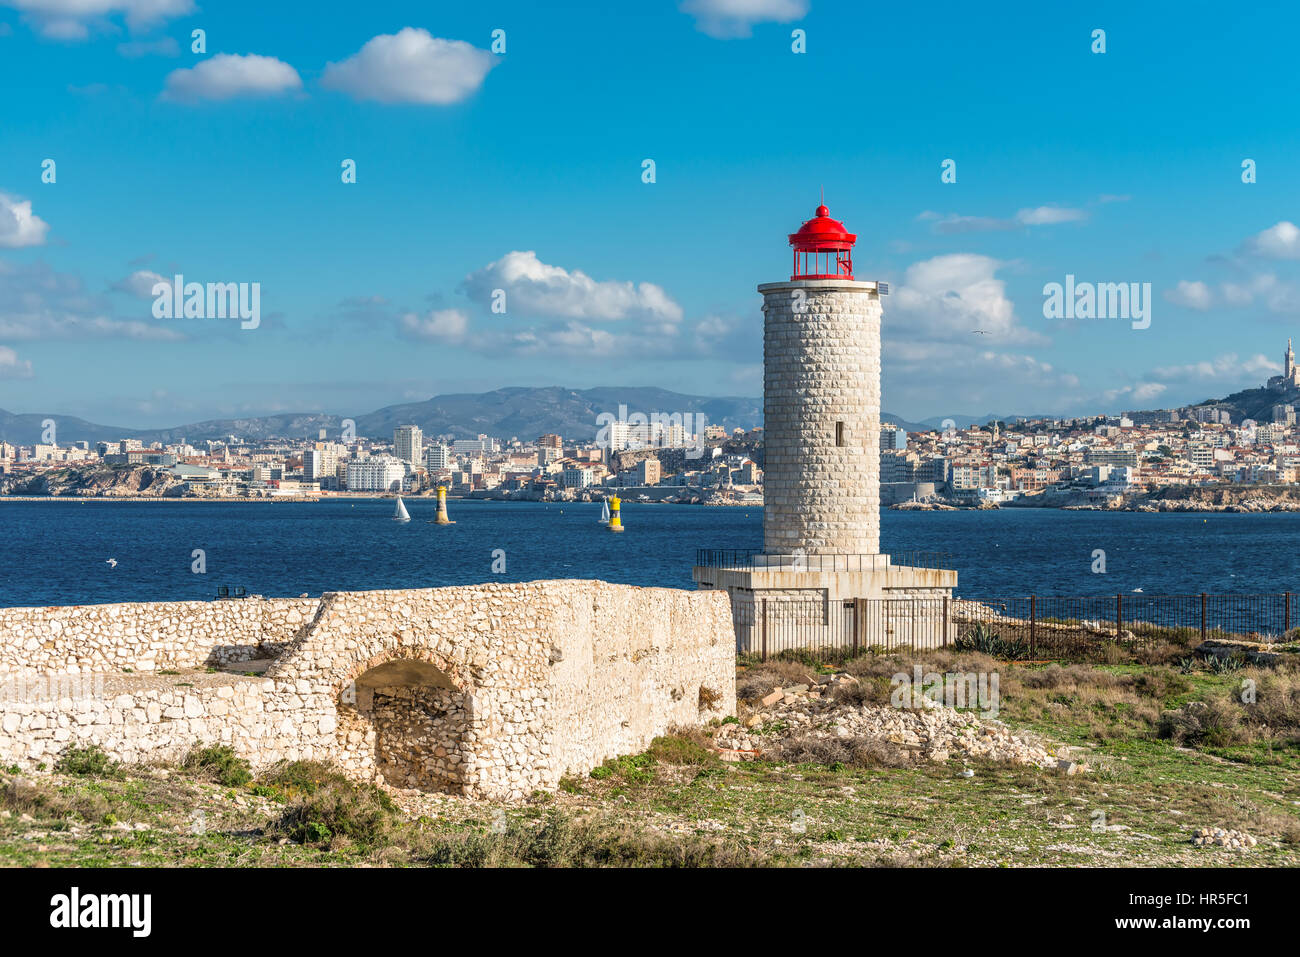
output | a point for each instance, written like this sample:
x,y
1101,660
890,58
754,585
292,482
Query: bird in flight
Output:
x,y
111,563
980,332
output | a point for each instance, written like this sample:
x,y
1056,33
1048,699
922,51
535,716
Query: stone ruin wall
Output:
x,y
489,690
146,637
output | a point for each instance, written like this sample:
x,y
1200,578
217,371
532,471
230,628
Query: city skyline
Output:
x,y
478,171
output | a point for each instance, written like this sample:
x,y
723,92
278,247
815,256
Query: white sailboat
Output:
x,y
401,515
604,512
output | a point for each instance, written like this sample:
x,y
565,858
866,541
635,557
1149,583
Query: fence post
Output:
x,y
764,609
858,619
1202,616
944,634
1119,615
1286,621
1033,626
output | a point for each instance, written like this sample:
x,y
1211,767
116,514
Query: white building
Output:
x,y
321,462
408,443
438,458
576,478
477,447
382,473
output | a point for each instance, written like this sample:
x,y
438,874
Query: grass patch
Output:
x,y
90,761
330,810
218,763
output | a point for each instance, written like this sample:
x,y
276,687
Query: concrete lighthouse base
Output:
x,y
826,603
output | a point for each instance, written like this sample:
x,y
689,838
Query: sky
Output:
x,y
511,145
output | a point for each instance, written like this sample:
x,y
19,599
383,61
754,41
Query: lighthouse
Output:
x,y
821,400
821,560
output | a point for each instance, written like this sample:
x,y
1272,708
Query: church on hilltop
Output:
x,y
1290,377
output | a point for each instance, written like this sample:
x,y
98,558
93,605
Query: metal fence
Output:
x,y
1031,627
747,560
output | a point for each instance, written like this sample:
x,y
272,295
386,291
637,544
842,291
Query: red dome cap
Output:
x,y
822,234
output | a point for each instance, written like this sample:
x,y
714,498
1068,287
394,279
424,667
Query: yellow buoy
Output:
x,y
441,518
615,519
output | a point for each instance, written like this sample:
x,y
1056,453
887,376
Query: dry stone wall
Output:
x,y
146,636
491,690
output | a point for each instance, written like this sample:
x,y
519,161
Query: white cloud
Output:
x,y
1193,295
1049,216
984,380
38,303
72,19
228,75
18,225
1222,374
950,297
411,66
1280,241
971,224
533,287
1274,294
11,367
1032,216
441,325
735,18
1142,392
1226,367
139,284
568,338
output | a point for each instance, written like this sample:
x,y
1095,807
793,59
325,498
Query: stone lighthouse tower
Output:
x,y
821,579
821,400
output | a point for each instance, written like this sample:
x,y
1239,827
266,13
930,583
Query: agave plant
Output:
x,y
1227,665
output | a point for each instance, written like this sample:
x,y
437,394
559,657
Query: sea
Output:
x,y
58,552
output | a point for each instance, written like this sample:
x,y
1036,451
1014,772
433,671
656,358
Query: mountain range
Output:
x,y
504,413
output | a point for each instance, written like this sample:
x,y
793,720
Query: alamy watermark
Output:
x,y
923,689
656,430
47,688
1103,300
179,299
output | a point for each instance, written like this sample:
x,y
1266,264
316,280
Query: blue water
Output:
x,y
55,552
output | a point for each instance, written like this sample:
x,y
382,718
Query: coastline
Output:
x,y
1179,506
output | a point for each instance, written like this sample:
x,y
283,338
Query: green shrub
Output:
x,y
632,768
335,808
219,763
681,748
90,761
559,841
1214,722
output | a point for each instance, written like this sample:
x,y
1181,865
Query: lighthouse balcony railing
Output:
x,y
747,560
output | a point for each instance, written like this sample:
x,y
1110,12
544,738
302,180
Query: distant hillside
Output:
x,y
528,413
523,412
1255,404
27,429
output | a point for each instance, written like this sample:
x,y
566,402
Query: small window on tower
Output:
x,y
839,433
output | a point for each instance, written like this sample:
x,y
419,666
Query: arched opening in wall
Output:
x,y
416,720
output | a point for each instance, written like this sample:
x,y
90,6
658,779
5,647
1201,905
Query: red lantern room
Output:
x,y
823,248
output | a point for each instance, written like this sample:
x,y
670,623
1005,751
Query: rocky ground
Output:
x,y
814,769
820,709
102,481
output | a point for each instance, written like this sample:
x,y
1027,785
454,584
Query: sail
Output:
x,y
401,514
604,513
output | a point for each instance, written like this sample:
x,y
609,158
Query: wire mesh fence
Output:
x,y
1029,627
